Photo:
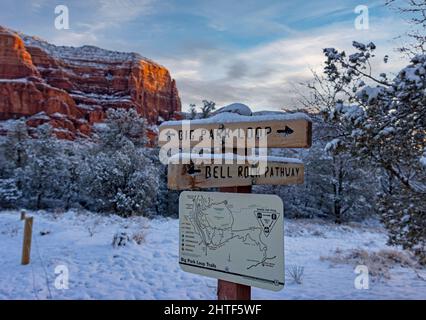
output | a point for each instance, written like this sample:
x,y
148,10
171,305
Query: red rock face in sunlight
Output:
x,y
71,88
15,61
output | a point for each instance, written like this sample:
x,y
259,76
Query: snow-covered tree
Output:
x,y
166,199
41,177
192,112
415,13
336,186
123,126
120,177
15,146
73,162
206,110
383,121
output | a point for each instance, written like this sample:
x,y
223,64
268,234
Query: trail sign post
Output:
x,y
285,131
213,225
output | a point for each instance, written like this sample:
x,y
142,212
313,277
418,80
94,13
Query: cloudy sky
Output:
x,y
250,51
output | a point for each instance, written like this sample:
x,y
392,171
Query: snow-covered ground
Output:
x,y
82,242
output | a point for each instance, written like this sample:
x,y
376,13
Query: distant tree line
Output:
x,y
114,172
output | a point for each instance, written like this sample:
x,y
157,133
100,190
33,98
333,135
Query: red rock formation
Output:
x,y
15,61
71,88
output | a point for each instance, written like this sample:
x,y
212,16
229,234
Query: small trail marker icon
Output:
x,y
267,221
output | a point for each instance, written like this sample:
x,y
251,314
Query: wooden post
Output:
x,y
23,215
229,290
26,248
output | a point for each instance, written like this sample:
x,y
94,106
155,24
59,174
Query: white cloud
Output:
x,y
119,11
75,39
101,16
264,76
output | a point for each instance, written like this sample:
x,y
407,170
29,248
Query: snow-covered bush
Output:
x,y
295,273
9,193
120,239
404,215
139,236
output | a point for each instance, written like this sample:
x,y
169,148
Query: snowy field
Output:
x,y
82,242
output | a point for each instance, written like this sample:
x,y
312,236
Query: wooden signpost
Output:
x,y
227,290
282,131
26,247
192,176
285,131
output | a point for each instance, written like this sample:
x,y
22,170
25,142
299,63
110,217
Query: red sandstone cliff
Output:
x,y
71,88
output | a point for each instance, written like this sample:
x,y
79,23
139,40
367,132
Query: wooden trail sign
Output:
x,y
224,132
282,131
277,171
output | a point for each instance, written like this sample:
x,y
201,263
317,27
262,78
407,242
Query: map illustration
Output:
x,y
234,237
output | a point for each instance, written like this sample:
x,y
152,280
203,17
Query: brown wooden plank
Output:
x,y
198,176
26,247
229,290
292,133
232,291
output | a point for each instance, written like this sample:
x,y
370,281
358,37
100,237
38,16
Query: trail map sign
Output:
x,y
234,237
283,131
190,176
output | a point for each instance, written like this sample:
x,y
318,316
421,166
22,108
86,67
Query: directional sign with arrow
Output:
x,y
282,131
286,132
193,175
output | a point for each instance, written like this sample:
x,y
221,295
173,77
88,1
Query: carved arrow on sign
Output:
x,y
286,131
192,170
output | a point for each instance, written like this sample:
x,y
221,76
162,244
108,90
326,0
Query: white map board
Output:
x,y
233,237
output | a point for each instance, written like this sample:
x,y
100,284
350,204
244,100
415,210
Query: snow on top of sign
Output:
x,y
228,117
230,156
238,108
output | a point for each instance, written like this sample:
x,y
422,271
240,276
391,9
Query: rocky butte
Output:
x,y
71,88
